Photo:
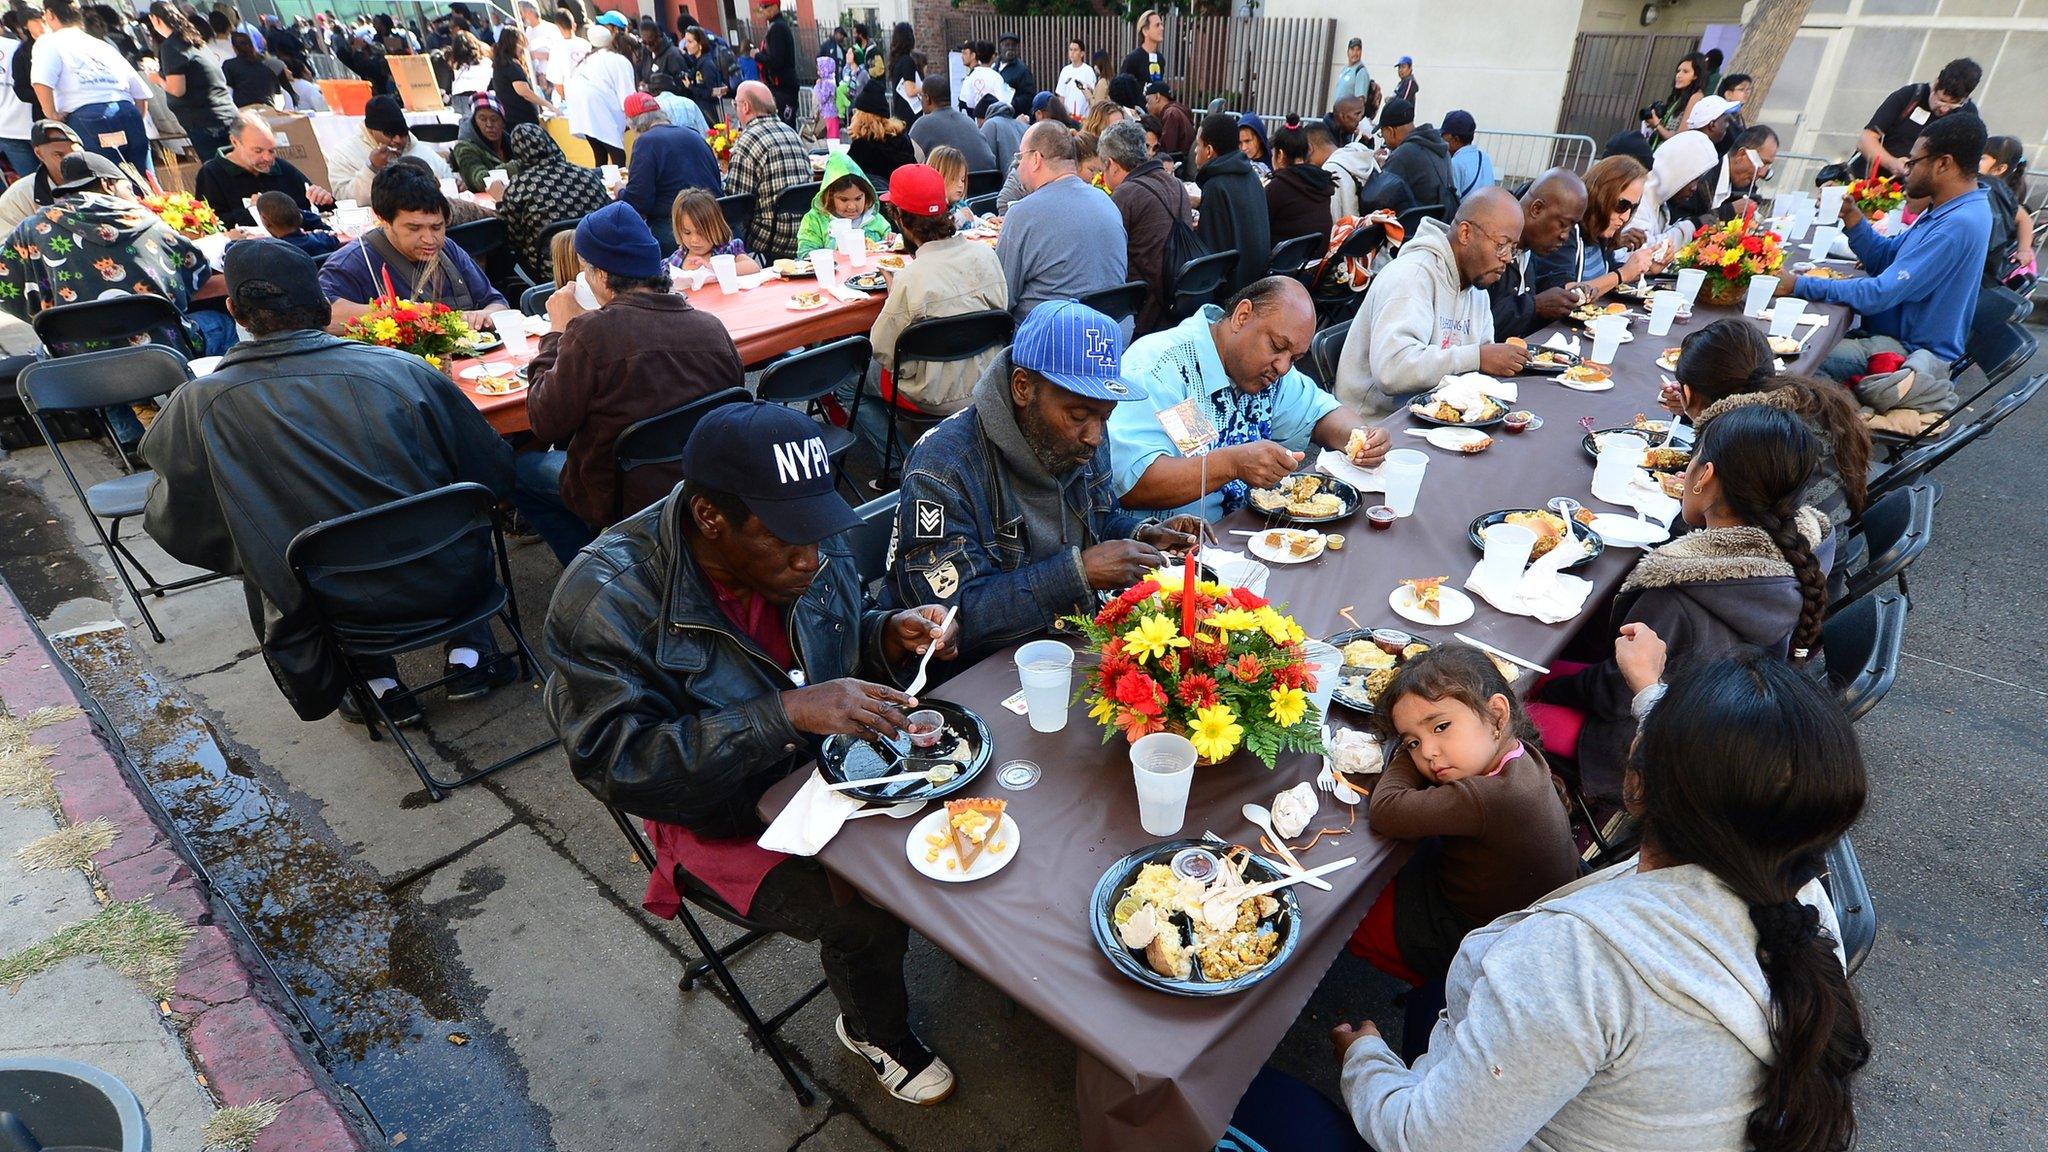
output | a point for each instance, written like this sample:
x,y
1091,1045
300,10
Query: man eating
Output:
x,y
1224,410
250,167
53,140
407,253
1553,203
353,163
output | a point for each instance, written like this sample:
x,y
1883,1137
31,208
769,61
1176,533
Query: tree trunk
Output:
x,y
1766,36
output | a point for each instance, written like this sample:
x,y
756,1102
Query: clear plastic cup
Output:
x,y
1621,453
723,267
1046,668
1607,333
511,328
1163,764
1785,316
1507,552
853,245
822,262
1830,206
1327,662
1823,242
924,727
1663,310
1403,469
1758,300
1690,281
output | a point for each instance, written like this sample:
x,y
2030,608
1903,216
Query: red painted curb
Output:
x,y
236,1038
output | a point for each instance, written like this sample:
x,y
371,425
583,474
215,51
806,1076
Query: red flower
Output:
x,y
1170,663
1294,676
1206,653
1139,591
1113,613
1247,668
1140,693
1753,244
1137,724
1247,599
1198,691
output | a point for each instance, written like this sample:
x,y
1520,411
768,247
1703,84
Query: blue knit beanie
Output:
x,y
615,239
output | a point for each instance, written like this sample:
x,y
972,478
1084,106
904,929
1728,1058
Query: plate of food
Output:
x,y
1371,657
1431,410
496,385
868,282
963,749
892,263
1550,361
807,299
1168,916
1629,531
1589,312
1638,291
1467,441
794,269
1549,529
1783,346
1668,359
1307,498
1288,545
1652,431
1822,272
1427,601
1587,378
483,342
968,839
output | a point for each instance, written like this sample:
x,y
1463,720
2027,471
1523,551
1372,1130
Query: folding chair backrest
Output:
x,y
870,541
547,234
399,568
1121,302
1200,280
795,200
479,239
948,338
1895,531
816,372
94,380
2001,351
739,212
534,301
1411,219
649,454
1861,644
106,320
1290,255
1854,910
1324,349
983,182
984,204
2012,402
435,133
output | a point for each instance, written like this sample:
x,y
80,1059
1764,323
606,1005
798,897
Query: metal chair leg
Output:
x,y
763,1035
114,553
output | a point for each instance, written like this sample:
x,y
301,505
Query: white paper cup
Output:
x,y
1830,206
1163,764
1758,300
511,328
722,266
1621,453
1800,214
496,176
1785,315
612,174
822,262
1507,552
1607,333
1823,243
1403,469
853,245
586,299
1328,662
1690,281
1663,310
450,186
1046,668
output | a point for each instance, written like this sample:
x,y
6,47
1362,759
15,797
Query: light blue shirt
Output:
x,y
682,111
1355,80
1181,363
1471,170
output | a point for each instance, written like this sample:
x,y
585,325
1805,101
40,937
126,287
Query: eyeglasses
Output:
x,y
1624,206
1909,161
1505,249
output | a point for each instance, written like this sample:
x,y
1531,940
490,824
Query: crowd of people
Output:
x,y
1690,996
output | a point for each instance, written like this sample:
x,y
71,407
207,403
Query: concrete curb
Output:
x,y
238,1040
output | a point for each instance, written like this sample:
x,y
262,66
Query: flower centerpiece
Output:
x,y
1218,665
1876,195
433,332
1730,254
186,214
722,136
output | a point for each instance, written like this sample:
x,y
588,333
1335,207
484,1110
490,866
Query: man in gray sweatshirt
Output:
x,y
1066,238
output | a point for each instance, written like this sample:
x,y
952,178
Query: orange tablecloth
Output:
x,y
762,323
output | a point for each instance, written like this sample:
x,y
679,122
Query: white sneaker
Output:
x,y
928,1085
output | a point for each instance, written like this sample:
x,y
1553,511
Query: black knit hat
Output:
x,y
873,98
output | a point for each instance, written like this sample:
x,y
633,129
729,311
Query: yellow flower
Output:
x,y
1102,710
1233,620
1168,578
384,328
1731,258
1216,732
1278,628
1154,636
1288,706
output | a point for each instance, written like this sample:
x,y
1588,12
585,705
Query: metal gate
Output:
x,y
1614,76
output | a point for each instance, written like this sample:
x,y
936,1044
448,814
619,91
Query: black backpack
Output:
x,y
1182,243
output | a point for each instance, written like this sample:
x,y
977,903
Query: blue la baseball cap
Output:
x,y
613,19
1409,60
1075,347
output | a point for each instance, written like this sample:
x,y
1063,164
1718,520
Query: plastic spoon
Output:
x,y
1259,815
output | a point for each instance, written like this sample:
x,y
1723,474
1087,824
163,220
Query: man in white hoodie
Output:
x,y
1426,315
1353,164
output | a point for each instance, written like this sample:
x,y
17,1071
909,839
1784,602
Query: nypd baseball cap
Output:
x,y
774,459
1075,347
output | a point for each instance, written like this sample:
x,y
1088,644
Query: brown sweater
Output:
x,y
1148,201
1504,840
644,354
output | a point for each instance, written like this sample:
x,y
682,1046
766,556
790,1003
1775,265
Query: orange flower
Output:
x,y
1247,668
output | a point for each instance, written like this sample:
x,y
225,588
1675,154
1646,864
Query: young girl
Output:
x,y
845,195
1752,571
827,94
2005,160
1468,779
562,247
951,165
702,232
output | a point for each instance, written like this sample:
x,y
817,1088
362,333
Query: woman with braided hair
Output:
x,y
1751,572
1728,365
1692,998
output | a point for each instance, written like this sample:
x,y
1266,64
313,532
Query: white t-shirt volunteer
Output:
x,y
81,70
597,97
16,118
1075,86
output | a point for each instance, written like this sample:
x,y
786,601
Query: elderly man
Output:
x,y
666,159
407,252
53,140
1552,204
1006,509
1224,410
1063,240
249,168
353,163
1150,199
942,123
1011,66
702,650
1426,315
1176,131
1351,165
1233,212
644,351
1346,114
768,158
362,426
1419,156
1748,164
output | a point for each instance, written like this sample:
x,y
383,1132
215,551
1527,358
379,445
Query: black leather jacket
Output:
x,y
292,429
665,710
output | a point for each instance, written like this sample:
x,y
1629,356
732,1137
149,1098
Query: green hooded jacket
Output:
x,y
816,230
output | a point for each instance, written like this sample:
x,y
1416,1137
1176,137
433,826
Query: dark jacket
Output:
x,y
1298,201
881,158
1148,201
226,185
1423,162
1705,593
293,429
1008,582
1233,215
778,60
1023,85
643,354
665,160
1176,132
664,709
1514,301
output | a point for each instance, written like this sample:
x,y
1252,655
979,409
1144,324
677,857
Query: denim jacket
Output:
x,y
960,536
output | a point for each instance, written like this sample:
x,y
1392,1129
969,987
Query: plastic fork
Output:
x,y
917,685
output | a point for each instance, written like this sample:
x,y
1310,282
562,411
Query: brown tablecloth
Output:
x,y
1161,1073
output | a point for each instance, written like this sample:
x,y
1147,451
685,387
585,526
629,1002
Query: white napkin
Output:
x,y
1236,569
1334,463
690,278
1498,389
1562,343
756,279
1468,392
849,295
811,819
1817,319
1544,591
1643,494
214,247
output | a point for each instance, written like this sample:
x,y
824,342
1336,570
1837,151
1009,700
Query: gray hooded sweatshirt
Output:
x,y
1625,1011
1418,325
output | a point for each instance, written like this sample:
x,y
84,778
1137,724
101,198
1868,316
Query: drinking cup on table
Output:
x,y
1403,469
511,328
496,176
1163,765
1801,213
853,245
1327,662
1785,316
1690,281
1507,553
1761,289
1621,453
822,264
1830,206
722,266
1663,310
1046,668
1823,243
1607,333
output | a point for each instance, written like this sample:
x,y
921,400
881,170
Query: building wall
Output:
x,y
1675,19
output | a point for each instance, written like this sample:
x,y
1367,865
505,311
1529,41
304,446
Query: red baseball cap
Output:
x,y
917,189
640,104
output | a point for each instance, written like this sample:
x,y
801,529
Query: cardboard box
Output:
x,y
418,90
297,143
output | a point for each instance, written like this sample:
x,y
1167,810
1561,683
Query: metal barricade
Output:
x,y
1519,157
1794,171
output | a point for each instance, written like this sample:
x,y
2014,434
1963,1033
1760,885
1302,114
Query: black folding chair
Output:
x,y
1997,306
1201,281
111,321
1911,467
1119,303
1894,532
534,301
1324,350
354,571
1412,218
739,212
796,199
484,241
870,541
941,340
1842,876
548,234
1997,352
983,182
712,959
657,443
435,133
809,376
984,204
86,383
1862,644
1291,256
